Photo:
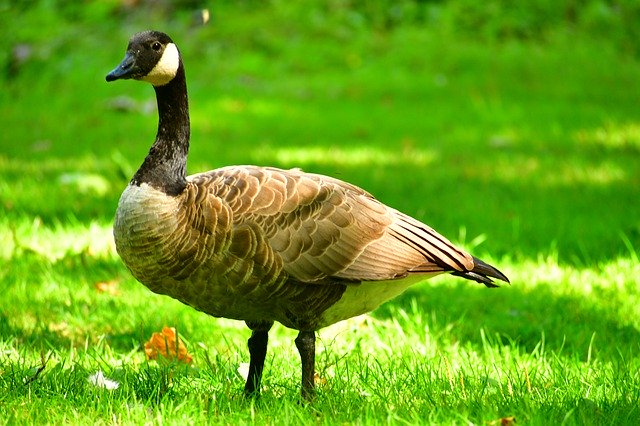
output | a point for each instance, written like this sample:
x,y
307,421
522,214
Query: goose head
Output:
x,y
151,56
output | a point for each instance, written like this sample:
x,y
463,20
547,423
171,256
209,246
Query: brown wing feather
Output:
x,y
322,227
315,225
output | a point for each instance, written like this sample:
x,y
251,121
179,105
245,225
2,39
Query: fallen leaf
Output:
x,y
167,345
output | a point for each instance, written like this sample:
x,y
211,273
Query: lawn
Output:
x,y
524,151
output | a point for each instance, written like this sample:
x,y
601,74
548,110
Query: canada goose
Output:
x,y
261,244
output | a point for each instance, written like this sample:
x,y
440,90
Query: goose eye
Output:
x,y
156,46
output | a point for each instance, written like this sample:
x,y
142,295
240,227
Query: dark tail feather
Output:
x,y
482,273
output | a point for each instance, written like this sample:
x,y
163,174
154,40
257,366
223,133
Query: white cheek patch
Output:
x,y
166,68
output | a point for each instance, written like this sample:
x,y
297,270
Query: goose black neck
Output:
x,y
166,164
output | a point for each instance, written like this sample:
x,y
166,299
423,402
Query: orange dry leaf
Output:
x,y
167,345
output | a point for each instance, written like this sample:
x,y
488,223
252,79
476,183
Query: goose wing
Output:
x,y
323,228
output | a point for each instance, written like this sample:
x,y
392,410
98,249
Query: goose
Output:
x,y
263,244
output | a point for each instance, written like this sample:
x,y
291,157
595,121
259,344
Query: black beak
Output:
x,y
124,70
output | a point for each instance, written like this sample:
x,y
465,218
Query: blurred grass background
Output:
x,y
527,111
511,127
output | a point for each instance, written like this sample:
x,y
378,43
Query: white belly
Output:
x,y
366,296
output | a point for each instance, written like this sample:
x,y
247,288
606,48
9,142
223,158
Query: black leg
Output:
x,y
306,344
257,351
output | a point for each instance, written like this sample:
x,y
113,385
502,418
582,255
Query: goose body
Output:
x,y
262,244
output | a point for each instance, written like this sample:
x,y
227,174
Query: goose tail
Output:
x,y
483,273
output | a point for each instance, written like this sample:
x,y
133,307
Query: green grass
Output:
x,y
527,153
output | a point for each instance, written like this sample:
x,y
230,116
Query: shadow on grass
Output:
x,y
57,197
45,337
586,412
76,300
569,326
41,338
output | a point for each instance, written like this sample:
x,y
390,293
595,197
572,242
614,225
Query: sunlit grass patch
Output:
x,y
572,172
414,360
54,241
356,156
612,136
